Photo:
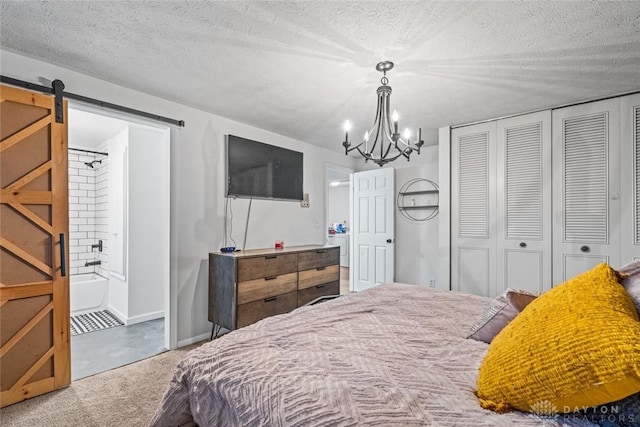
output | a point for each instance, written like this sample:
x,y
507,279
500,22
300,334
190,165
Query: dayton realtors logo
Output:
x,y
544,409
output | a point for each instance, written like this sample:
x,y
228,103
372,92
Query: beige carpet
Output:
x,y
126,396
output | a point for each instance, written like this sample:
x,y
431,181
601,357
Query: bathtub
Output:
x,y
89,292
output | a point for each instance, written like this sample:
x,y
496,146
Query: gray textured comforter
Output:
x,y
394,355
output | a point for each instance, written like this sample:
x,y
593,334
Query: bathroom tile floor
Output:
x,y
100,351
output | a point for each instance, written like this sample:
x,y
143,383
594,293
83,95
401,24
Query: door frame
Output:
x,y
444,202
349,171
170,287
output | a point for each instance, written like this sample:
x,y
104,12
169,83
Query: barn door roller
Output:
x,y
58,88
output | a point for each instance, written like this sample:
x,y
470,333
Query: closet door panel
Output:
x,y
586,187
522,269
576,264
523,217
630,179
473,209
473,270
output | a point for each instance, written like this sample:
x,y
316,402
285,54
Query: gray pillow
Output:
x,y
632,282
503,309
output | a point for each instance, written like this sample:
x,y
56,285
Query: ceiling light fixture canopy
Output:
x,y
383,136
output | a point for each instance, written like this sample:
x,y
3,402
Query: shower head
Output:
x,y
90,164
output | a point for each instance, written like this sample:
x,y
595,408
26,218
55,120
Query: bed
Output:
x,y
394,355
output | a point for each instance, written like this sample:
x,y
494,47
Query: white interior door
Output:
x,y
586,181
473,206
374,228
524,202
630,182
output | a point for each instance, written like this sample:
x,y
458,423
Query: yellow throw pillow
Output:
x,y
575,346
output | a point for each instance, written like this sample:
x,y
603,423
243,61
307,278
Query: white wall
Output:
x,y
147,223
418,248
139,215
197,187
417,242
118,287
338,204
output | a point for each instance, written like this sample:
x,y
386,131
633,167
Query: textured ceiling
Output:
x,y
301,68
90,131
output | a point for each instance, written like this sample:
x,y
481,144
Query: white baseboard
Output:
x,y
117,313
194,340
135,319
200,337
145,317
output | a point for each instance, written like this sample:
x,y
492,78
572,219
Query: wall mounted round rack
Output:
x,y
418,200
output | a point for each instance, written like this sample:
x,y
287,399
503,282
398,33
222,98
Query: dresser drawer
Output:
x,y
318,258
266,266
305,296
317,276
257,289
257,310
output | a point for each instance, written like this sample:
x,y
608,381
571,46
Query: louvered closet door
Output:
x,y
34,292
473,227
524,202
630,179
586,180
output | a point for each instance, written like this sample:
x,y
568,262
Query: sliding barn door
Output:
x,y
34,288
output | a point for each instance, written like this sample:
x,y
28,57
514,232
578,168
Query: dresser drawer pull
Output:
x,y
270,299
271,257
319,286
270,277
321,251
320,268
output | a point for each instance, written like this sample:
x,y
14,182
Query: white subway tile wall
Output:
x,y
88,213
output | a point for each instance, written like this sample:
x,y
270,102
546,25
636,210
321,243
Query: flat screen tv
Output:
x,y
263,171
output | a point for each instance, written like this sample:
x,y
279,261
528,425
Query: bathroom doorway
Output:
x,y
119,239
338,190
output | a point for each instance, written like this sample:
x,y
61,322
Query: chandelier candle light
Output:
x,y
382,133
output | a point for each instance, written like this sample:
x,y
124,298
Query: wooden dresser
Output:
x,y
247,286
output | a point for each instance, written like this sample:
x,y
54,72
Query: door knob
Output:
x,y
523,245
389,240
585,249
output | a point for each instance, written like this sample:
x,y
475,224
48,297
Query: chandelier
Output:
x,y
379,141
